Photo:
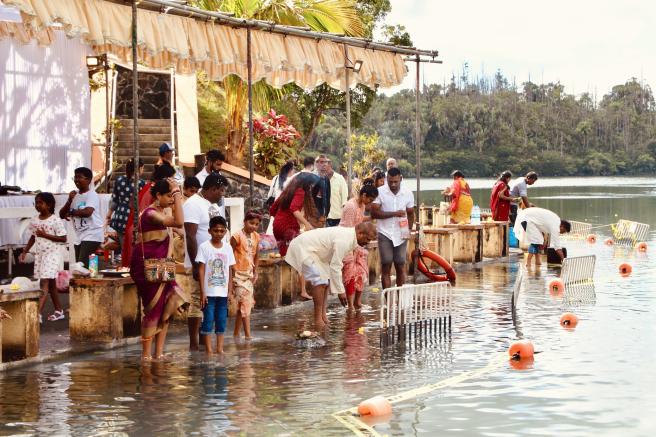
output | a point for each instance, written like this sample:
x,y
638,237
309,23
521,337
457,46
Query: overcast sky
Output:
x,y
586,45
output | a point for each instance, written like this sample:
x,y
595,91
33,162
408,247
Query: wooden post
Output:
x,y
249,64
347,83
417,166
135,117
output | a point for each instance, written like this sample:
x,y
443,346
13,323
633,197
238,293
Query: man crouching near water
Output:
x,y
533,224
318,255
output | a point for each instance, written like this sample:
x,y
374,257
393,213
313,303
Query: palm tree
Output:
x,y
336,16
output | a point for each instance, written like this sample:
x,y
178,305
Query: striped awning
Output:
x,y
189,45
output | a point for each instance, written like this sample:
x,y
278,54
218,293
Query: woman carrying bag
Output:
x,y
151,268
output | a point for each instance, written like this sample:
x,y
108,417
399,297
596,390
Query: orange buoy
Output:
x,y
569,320
625,269
556,287
376,406
642,246
592,239
521,349
523,364
609,242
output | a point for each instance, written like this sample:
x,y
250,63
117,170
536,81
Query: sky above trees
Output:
x,y
586,45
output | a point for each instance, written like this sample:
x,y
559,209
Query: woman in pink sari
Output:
x,y
355,270
160,299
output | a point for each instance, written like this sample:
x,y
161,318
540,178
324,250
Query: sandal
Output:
x,y
57,315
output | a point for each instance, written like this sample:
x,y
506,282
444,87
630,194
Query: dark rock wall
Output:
x,y
154,95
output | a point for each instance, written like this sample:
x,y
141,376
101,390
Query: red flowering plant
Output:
x,y
275,142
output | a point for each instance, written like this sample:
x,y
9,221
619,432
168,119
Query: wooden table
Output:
x,y
20,334
441,241
495,239
468,244
104,309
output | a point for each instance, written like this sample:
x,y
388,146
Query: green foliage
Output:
x,y
366,154
211,114
488,125
397,35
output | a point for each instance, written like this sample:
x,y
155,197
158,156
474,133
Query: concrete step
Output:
x,y
145,129
146,122
161,137
143,145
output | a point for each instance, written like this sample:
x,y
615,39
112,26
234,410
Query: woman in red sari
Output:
x,y
160,300
500,199
355,270
292,209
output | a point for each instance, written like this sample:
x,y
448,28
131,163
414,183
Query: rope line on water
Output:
x,y
351,419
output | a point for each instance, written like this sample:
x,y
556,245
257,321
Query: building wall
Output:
x,y
44,113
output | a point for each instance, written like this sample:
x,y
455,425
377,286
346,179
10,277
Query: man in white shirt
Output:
x,y
338,195
319,254
531,226
394,211
83,206
519,188
198,210
213,162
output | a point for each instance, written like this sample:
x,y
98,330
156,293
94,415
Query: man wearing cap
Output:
x,y
166,155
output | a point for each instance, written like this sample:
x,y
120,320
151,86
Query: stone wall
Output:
x,y
154,95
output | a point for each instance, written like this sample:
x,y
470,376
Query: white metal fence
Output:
x,y
414,311
628,233
579,230
578,269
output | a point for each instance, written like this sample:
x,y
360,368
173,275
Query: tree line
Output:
x,y
487,125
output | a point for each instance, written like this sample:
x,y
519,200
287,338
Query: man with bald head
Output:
x,y
391,163
319,254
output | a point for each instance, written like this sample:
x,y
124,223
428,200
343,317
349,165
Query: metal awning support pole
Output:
x,y
347,83
249,64
108,143
135,116
417,165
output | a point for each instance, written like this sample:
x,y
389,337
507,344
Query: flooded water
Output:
x,y
595,379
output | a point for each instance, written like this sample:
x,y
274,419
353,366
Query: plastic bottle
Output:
x,y
404,228
93,265
476,215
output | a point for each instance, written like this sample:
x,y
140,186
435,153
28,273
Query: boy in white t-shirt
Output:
x,y
83,207
215,265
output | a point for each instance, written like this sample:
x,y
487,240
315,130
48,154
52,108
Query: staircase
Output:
x,y
152,133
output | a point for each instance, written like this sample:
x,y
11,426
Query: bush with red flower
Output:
x,y
275,142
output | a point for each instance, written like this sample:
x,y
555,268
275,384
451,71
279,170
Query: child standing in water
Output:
x,y
216,261
48,234
245,246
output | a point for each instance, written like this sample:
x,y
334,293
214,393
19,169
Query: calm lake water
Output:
x,y
597,379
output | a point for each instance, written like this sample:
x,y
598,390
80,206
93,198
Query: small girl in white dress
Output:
x,y
48,235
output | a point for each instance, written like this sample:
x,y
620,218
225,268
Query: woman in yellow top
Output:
x,y
461,201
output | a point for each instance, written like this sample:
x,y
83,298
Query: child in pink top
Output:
x,y
245,246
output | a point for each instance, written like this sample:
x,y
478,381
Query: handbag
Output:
x,y
158,269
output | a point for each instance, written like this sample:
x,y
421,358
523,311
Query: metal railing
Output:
x,y
628,233
413,311
578,269
579,230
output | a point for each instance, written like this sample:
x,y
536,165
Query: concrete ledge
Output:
x,y
78,349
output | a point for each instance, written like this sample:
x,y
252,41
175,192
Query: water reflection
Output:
x,y
595,379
